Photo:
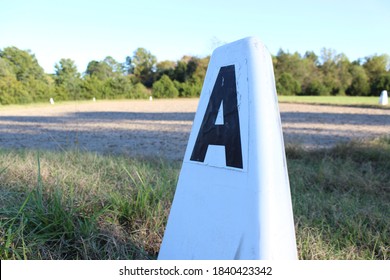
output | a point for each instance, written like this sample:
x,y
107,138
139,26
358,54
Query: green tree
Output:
x,y
382,82
23,63
360,85
188,89
100,70
287,85
329,71
103,79
376,65
189,74
335,71
290,63
142,65
292,72
311,56
316,87
344,76
67,79
139,91
91,86
311,74
24,77
12,91
165,67
180,72
5,68
164,88
116,67
377,69
197,76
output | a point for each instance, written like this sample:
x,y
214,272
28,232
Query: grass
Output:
x,y
73,205
341,200
358,101
366,101
82,206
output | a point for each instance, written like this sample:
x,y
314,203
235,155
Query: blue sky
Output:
x,y
91,30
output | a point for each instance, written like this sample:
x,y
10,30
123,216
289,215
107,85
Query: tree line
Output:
x,y
330,74
23,80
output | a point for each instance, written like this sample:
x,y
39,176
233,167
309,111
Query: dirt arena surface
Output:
x,y
162,127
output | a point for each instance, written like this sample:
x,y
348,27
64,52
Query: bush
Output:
x,y
382,82
139,92
188,89
12,91
112,88
316,88
164,88
360,85
287,85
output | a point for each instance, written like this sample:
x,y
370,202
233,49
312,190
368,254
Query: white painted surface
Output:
x,y
384,99
221,212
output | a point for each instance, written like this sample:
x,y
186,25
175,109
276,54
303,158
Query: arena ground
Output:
x,y
161,127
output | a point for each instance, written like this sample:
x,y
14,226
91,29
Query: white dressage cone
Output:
x,y
233,196
383,99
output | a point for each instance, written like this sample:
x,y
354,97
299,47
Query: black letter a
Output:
x,y
228,133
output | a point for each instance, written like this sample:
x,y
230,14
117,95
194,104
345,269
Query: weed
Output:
x,y
73,205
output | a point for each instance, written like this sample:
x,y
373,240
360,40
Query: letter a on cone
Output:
x,y
233,196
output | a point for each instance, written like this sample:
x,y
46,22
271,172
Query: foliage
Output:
x,y
330,74
164,88
22,80
360,85
376,65
12,91
316,88
112,88
287,85
142,65
67,79
380,83
24,65
165,67
188,89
